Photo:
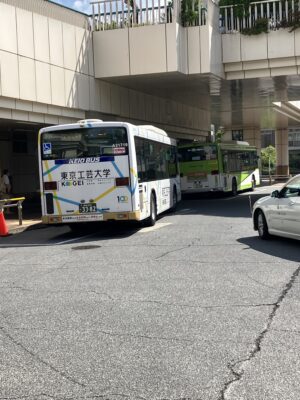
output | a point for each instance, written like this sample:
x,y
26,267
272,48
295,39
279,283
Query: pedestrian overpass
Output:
x,y
152,62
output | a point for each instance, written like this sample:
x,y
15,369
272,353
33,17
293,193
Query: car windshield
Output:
x,y
292,188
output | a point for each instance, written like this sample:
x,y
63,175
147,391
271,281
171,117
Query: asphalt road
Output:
x,y
197,307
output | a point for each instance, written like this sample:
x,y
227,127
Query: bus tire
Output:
x,y
234,188
262,226
150,221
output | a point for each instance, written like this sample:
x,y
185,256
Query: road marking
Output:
x,y
74,239
9,245
155,227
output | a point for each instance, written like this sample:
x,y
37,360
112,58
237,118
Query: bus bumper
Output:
x,y
108,216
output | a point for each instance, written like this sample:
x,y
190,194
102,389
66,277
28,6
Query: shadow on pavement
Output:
x,y
219,205
59,235
285,249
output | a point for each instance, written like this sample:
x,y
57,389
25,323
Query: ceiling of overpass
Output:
x,y
236,103
8,126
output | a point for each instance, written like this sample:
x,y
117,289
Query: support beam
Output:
x,y
282,151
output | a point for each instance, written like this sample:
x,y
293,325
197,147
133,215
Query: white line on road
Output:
x,y
46,244
75,239
155,227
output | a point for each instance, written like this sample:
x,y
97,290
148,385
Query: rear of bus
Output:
x,y
85,173
199,167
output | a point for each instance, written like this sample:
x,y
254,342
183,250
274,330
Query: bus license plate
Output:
x,y
87,208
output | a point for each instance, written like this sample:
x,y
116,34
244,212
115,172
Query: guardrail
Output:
x,y
117,14
235,18
276,178
14,202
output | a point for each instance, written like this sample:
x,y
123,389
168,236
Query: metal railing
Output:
x,y
116,14
235,18
14,202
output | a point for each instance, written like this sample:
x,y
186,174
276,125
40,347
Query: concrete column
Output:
x,y
282,151
253,137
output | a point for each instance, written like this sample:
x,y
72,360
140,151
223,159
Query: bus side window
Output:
x,y
140,159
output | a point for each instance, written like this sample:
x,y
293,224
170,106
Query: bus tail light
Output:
x,y
215,172
122,181
50,185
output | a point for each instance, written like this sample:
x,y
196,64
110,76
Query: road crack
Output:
x,y
237,368
39,359
172,251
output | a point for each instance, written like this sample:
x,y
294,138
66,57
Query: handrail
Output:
x,y
235,18
118,14
17,203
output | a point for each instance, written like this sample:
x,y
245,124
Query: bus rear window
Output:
x,y
200,153
85,142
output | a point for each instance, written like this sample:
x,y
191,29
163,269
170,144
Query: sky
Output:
x,y
79,5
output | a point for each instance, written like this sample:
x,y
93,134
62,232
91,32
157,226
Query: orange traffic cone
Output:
x,y
3,226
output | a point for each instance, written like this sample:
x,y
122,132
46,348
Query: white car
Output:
x,y
279,213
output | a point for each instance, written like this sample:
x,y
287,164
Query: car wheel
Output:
x,y
262,226
234,189
153,212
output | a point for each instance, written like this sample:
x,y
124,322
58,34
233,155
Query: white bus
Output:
x,y
101,171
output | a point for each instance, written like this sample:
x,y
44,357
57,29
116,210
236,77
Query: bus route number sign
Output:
x,y
87,208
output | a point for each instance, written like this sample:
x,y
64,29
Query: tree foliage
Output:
x,y
219,134
268,157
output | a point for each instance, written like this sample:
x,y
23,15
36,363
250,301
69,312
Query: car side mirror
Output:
x,y
275,193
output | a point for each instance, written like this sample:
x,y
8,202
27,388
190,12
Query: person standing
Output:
x,y
6,185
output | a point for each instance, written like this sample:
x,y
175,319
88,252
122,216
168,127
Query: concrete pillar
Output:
x,y
282,151
253,137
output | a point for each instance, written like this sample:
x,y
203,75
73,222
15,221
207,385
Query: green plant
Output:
x,y
219,134
261,25
268,159
293,21
189,12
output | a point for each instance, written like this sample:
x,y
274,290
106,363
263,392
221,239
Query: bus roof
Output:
x,y
148,131
153,129
230,144
84,123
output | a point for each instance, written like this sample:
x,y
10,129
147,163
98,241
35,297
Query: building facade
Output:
x,y
145,66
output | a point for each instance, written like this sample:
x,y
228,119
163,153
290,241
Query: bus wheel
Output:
x,y
234,189
153,211
262,225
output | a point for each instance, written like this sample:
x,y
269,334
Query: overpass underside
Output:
x,y
146,67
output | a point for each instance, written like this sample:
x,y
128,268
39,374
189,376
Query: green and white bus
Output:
x,y
227,167
101,171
